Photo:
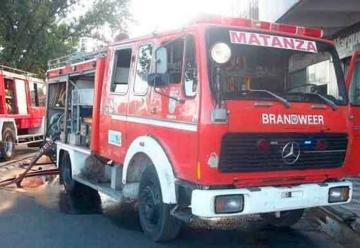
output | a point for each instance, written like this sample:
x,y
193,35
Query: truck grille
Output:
x,y
281,151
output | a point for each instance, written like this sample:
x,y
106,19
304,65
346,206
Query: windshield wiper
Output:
x,y
325,100
277,97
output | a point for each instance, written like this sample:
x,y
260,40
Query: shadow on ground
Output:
x,y
46,217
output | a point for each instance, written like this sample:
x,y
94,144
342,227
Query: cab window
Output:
x,y
190,70
175,52
37,92
121,71
354,93
142,69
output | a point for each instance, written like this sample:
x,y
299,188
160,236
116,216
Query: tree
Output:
x,y
34,31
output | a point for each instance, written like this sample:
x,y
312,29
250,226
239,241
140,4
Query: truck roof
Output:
x,y
11,72
85,61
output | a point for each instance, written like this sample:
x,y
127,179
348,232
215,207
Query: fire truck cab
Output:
x,y
225,117
22,110
353,86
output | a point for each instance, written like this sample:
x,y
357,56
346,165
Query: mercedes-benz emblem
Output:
x,y
290,153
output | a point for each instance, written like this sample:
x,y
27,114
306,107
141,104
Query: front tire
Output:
x,y
286,219
155,217
8,143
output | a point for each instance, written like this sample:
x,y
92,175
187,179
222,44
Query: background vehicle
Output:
x,y
22,109
226,117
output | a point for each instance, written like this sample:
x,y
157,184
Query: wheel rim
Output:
x,y
151,206
8,146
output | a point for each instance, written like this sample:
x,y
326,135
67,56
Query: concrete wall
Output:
x,y
270,10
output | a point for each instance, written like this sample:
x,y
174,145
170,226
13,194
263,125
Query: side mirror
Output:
x,y
161,60
157,80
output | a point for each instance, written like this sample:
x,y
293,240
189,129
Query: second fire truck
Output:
x,y
22,110
225,117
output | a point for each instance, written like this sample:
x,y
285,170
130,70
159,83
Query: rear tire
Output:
x,y
8,143
81,195
286,219
155,217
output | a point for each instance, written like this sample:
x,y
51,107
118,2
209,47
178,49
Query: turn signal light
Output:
x,y
225,204
339,194
313,32
263,145
321,145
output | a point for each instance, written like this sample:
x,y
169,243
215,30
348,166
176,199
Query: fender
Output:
x,y
77,156
152,148
7,120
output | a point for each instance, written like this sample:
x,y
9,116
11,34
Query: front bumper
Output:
x,y
267,199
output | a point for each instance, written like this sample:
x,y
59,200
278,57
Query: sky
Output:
x,y
168,14
158,15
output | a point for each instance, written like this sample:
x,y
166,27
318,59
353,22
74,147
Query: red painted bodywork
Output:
x,y
35,114
354,122
189,151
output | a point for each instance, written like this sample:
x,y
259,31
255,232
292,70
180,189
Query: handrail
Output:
x,y
18,71
72,59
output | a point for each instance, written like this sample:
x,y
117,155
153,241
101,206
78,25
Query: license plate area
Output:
x,y
291,194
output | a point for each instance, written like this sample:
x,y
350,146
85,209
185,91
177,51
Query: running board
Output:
x,y
104,188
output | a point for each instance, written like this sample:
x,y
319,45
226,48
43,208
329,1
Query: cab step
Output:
x,y
104,188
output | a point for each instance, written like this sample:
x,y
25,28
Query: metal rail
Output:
x,y
73,59
17,71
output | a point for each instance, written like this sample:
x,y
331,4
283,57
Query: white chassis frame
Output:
x,y
261,200
267,199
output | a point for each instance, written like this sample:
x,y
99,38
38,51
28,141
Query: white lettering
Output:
x,y
287,119
303,119
292,119
311,119
265,118
316,121
272,118
255,39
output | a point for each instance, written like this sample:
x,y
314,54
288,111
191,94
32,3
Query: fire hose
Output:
x,y
46,149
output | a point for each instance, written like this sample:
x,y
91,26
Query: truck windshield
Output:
x,y
297,70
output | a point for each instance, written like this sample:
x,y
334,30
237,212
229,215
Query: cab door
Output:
x,y
113,117
353,85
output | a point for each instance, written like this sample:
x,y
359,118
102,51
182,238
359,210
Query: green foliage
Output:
x,y
34,31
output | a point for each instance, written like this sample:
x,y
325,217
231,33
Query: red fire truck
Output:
x,y
22,110
225,117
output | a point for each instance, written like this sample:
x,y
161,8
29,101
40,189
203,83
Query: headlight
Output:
x,y
229,204
339,194
221,53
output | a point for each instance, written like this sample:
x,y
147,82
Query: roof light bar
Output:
x,y
312,32
279,27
